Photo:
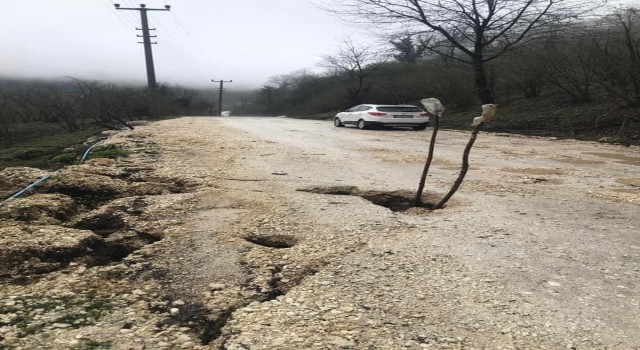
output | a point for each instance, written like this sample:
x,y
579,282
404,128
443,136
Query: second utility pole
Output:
x,y
220,93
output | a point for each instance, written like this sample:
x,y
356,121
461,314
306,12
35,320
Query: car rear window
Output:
x,y
399,109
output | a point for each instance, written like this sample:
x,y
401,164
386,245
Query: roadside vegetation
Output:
x,y
46,124
576,79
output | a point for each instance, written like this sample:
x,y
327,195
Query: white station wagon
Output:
x,y
368,115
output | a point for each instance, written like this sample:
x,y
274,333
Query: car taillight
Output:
x,y
424,114
377,114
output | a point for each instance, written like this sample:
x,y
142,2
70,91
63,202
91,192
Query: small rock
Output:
x,y
217,286
341,342
178,302
183,338
346,308
174,311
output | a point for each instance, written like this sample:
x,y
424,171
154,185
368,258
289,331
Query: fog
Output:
x,y
198,40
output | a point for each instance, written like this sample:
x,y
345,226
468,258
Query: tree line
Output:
x,y
527,49
594,59
76,104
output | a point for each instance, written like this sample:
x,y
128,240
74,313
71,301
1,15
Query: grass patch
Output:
x,y
64,158
151,151
98,308
39,145
93,309
108,151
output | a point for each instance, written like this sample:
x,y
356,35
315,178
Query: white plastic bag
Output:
x,y
488,114
433,106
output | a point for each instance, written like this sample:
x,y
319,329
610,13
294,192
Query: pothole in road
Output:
x,y
618,158
335,190
397,201
118,245
630,182
535,171
272,241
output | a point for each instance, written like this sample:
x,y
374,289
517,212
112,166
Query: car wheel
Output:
x,y
337,122
362,124
421,127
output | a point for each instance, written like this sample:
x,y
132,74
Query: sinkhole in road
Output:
x,y
397,201
277,241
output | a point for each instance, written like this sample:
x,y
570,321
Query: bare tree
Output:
x,y
473,31
488,114
617,67
526,70
435,109
29,105
5,114
571,68
358,62
61,106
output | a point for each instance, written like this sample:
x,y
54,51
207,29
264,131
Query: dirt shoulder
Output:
x,y
237,243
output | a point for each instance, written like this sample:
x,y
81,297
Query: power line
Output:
x,y
130,17
193,40
115,13
174,49
170,38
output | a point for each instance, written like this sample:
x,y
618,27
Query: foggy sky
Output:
x,y
198,40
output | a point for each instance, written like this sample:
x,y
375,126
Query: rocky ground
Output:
x,y
273,233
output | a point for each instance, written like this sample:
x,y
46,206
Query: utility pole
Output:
x,y
268,89
148,53
220,93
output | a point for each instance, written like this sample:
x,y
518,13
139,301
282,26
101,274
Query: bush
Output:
x,y
64,158
110,151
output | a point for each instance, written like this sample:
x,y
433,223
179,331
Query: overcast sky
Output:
x,y
198,40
